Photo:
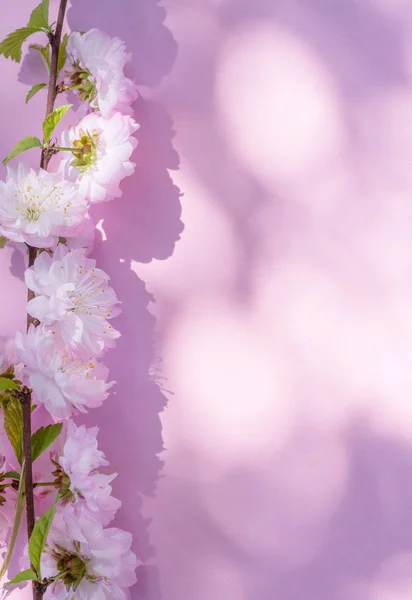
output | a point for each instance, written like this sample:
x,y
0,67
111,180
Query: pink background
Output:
x,y
262,422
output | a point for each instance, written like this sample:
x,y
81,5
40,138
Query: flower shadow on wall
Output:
x,y
143,225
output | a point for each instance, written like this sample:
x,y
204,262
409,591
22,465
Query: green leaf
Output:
x,y
8,384
24,144
38,538
62,240
62,52
39,18
11,475
43,438
34,90
18,515
13,424
11,46
27,575
50,122
3,241
45,52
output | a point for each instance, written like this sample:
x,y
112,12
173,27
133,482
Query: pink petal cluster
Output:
x,y
104,147
60,380
80,460
85,237
38,207
101,61
7,353
74,297
73,303
109,564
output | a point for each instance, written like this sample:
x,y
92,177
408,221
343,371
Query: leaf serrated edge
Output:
x,y
53,119
39,535
11,45
27,575
31,142
33,91
49,433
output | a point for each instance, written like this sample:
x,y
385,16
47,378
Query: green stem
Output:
x,y
45,484
62,149
20,502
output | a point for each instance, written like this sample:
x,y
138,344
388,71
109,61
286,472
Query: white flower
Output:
x,y
61,381
7,353
75,298
37,207
95,64
97,563
79,461
102,156
85,237
80,453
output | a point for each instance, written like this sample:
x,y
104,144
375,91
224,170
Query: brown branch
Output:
x,y
54,39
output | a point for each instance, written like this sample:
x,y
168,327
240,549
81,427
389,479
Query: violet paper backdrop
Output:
x,y
282,322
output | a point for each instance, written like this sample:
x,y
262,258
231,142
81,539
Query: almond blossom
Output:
x,y
75,298
52,372
38,207
85,237
78,477
101,155
7,353
94,65
94,563
62,381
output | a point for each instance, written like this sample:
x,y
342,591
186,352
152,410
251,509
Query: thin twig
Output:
x,y
54,39
25,400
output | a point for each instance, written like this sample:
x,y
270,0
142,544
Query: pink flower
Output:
x,y
97,562
84,238
80,453
37,207
101,160
95,64
75,298
61,381
7,353
79,461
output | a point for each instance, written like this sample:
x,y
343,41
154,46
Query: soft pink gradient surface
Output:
x,y
279,465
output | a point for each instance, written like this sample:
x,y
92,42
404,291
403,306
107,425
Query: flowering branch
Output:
x,y
57,362
25,395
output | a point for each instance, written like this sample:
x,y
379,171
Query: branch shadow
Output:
x,y
140,25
